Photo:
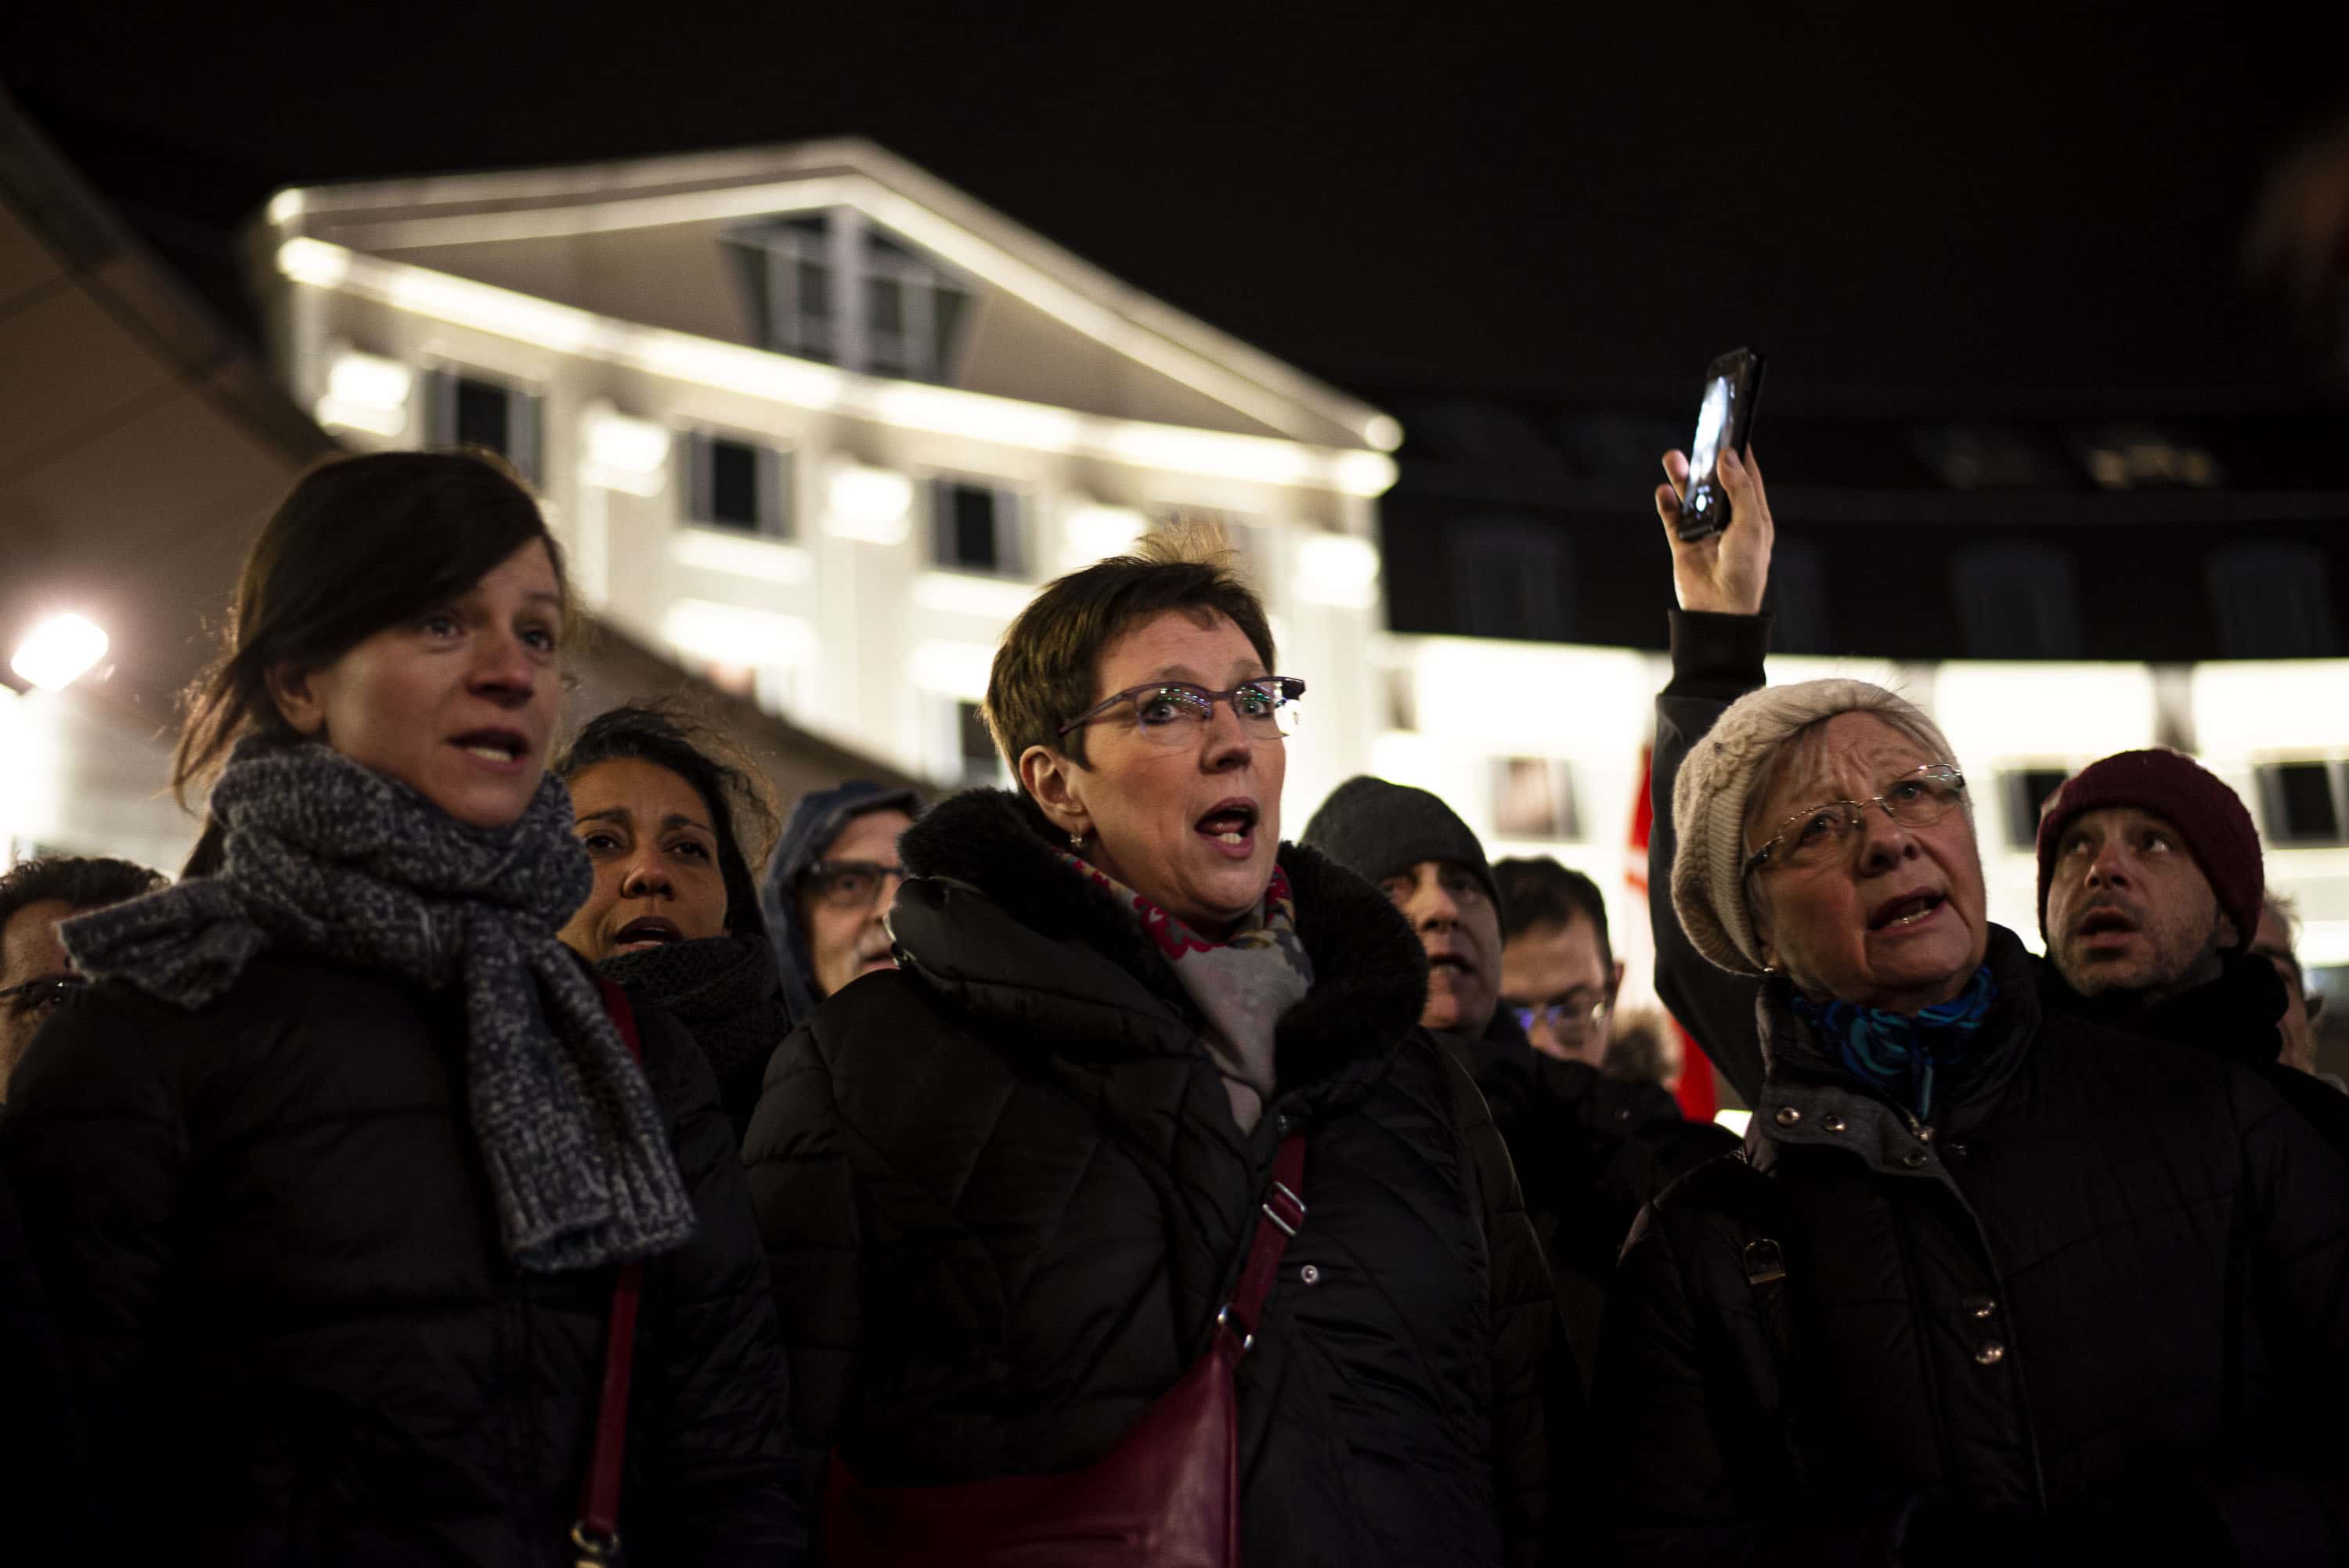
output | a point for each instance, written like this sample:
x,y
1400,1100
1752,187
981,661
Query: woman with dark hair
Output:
x,y
661,809
351,1197
1007,1188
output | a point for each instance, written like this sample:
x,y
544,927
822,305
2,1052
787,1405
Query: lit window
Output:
x,y
979,762
2303,802
1511,579
739,484
977,528
2273,600
1533,797
2027,789
2016,601
469,409
831,286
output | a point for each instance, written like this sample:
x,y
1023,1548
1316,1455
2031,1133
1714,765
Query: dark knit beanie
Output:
x,y
1375,830
2188,796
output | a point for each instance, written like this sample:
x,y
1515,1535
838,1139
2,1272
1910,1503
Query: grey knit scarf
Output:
x,y
325,856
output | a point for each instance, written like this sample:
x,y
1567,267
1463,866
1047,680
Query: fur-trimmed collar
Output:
x,y
1369,972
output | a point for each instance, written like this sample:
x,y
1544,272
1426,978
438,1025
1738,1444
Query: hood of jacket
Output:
x,y
997,922
814,823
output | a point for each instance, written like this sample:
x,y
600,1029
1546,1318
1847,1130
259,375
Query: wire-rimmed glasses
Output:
x,y
1817,834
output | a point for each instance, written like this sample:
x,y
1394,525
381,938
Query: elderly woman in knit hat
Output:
x,y
1984,1280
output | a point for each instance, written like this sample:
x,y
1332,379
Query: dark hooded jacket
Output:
x,y
1716,659
1004,1198
2098,1310
814,823
289,1321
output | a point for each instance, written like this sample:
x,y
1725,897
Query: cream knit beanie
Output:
x,y
1717,779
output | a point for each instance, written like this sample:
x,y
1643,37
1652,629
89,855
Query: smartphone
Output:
x,y
1733,383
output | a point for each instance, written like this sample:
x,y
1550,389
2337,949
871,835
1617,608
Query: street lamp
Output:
x,y
60,651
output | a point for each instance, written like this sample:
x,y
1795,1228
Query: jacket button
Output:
x,y
1980,1306
1622,1115
1832,1124
1989,1353
1788,1116
1281,1124
1913,1157
1310,1273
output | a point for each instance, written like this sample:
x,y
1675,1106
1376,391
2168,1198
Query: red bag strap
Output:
x,y
597,1535
1282,1215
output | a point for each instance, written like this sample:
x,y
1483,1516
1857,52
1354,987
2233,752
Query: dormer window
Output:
x,y
831,286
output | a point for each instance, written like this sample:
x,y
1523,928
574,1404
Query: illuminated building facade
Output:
x,y
821,424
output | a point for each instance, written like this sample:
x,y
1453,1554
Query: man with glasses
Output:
x,y
35,975
1559,975
829,885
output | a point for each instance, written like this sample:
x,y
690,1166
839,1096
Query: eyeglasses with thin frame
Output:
x,y
850,884
1572,1020
1816,834
41,996
1174,713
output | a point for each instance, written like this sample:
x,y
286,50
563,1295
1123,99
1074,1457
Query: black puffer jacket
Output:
x,y
1004,1196
272,1253
1588,1152
2105,1298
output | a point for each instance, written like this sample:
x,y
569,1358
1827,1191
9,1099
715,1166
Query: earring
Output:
x,y
1076,840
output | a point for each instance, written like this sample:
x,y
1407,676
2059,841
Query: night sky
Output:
x,y
1934,203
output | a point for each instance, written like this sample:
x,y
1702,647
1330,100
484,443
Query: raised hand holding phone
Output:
x,y
1720,573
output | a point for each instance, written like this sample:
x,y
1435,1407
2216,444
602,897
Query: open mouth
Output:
x,y
1230,826
1448,964
2099,923
1908,910
647,931
506,747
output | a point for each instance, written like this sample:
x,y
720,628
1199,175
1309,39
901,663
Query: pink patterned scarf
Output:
x,y
1242,985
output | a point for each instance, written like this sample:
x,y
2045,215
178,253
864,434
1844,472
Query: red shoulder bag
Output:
x,y
1167,1496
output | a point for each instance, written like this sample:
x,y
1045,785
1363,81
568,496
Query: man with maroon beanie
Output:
x,y
2150,879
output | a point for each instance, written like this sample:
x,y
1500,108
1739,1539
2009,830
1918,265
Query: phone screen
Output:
x,y
1732,383
1713,423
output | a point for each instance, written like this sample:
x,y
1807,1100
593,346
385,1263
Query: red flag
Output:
x,y
1694,1090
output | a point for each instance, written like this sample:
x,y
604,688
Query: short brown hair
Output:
x,y
1046,669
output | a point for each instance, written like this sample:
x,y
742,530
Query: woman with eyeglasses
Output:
x,y
662,806
356,1201
1988,1283
1007,1189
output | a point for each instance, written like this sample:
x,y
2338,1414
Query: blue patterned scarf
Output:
x,y
1901,1053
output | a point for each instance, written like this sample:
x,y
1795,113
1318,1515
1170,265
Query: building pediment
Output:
x,y
835,253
